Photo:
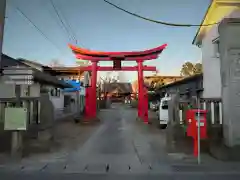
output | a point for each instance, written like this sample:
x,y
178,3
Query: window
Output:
x,y
55,92
216,47
52,92
58,92
165,105
43,89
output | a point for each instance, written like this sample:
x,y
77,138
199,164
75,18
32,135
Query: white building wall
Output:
x,y
211,64
211,67
58,101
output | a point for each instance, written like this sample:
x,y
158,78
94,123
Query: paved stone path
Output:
x,y
120,145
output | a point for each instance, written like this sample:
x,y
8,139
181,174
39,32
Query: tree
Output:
x,y
104,82
198,68
109,78
189,69
156,84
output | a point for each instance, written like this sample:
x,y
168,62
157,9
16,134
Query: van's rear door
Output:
x,y
163,112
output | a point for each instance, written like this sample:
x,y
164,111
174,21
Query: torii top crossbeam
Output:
x,y
86,54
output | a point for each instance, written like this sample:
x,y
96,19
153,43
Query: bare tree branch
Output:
x,y
55,63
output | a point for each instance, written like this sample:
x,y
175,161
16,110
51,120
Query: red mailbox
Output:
x,y
192,118
189,120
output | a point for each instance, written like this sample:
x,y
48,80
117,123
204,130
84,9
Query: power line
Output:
x,y
65,23
155,21
39,30
59,23
59,17
69,26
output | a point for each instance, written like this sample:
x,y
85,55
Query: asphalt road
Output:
x,y
120,148
41,176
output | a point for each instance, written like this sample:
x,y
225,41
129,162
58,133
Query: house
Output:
x,y
76,77
56,94
191,86
44,78
219,45
34,96
156,78
207,39
69,73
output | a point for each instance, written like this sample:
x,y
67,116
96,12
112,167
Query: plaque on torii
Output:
x,y
117,58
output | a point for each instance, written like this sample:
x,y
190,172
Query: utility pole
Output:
x,y
2,20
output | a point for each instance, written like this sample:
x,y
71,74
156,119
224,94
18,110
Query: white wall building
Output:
x,y
207,38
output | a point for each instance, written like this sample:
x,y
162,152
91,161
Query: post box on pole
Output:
x,y
196,127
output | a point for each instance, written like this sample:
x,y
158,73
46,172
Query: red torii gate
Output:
x,y
117,58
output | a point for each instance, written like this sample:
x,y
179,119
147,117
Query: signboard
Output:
x,y
18,75
15,119
117,64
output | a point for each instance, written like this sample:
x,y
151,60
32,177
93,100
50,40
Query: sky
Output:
x,y
99,26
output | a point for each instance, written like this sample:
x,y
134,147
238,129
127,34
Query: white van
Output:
x,y
163,112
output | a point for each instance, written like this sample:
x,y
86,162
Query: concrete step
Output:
x,y
222,152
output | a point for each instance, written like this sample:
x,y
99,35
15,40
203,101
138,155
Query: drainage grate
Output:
x,y
189,168
107,167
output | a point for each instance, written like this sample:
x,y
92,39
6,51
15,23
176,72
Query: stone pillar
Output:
x,y
229,48
173,116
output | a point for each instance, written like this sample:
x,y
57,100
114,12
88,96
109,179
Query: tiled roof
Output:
x,y
9,61
39,76
117,87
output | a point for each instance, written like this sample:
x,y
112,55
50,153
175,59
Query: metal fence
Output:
x,y
213,107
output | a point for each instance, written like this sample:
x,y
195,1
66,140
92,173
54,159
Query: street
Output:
x,y
120,147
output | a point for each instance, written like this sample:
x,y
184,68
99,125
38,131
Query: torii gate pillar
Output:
x,y
93,95
142,94
140,88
